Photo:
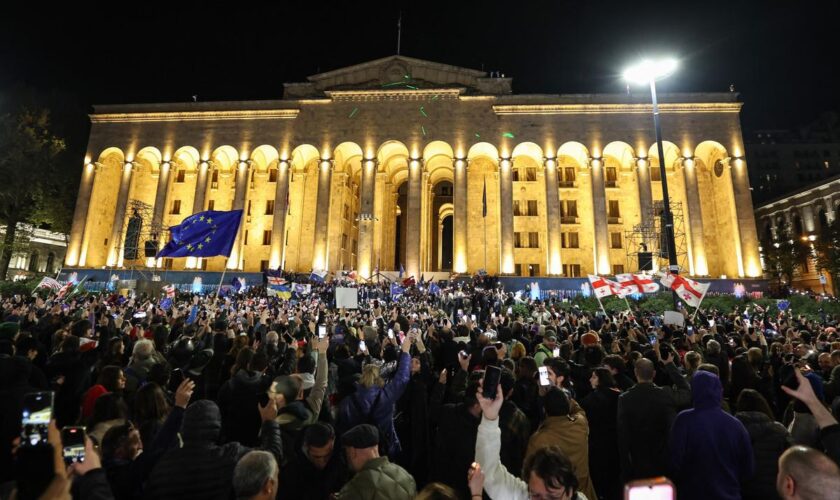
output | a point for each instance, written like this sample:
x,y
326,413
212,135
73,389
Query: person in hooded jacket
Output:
x,y
201,468
601,407
711,453
769,440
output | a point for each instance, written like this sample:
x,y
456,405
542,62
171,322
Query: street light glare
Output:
x,y
648,70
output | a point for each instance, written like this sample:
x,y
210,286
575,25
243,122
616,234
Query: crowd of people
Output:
x,y
252,396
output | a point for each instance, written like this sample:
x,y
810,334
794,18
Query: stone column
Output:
x,y
281,208
322,214
599,214
695,217
367,191
809,222
645,196
774,231
505,214
750,263
414,206
459,216
552,217
80,214
114,244
239,204
201,186
161,195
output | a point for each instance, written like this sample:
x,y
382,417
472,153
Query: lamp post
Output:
x,y
647,72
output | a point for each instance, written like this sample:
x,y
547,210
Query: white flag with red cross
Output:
x,y
690,291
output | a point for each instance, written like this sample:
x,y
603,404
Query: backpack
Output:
x,y
367,418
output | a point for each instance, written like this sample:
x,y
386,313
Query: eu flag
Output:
x,y
205,234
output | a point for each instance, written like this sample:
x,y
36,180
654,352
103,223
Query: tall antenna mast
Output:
x,y
399,32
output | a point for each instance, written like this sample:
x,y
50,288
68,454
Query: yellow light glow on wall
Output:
x,y
507,265
555,265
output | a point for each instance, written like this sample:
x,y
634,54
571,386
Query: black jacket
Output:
x,y
645,415
238,400
601,407
454,442
202,469
769,440
303,481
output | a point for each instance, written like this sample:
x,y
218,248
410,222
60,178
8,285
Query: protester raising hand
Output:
x,y
490,407
184,393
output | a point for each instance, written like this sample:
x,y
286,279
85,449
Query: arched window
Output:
x,y
50,263
33,262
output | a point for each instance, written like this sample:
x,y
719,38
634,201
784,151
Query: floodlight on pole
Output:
x,y
647,72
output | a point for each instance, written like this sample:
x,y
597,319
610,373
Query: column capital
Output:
x,y
641,161
595,161
549,159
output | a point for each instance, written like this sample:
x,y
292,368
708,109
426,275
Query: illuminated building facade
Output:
x,y
400,161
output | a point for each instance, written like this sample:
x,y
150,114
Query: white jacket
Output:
x,y
498,482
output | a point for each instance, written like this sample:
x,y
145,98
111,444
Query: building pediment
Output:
x,y
398,73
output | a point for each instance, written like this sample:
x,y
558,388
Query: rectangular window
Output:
x,y
531,174
211,204
181,176
532,207
344,241
214,180
568,211
571,270
517,240
203,264
569,175
249,208
272,175
618,269
615,240
655,174
269,207
517,269
346,211
534,270
517,210
245,238
613,211
533,240
570,240
263,265
167,264
176,207
514,175
355,246
612,177
286,243
267,237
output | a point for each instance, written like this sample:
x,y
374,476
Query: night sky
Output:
x,y
778,54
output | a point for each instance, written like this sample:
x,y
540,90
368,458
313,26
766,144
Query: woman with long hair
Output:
x,y
150,410
769,440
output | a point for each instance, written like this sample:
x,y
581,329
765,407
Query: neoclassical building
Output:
x,y
801,214
401,161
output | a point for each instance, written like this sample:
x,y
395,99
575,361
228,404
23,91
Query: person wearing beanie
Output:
x,y
202,468
376,477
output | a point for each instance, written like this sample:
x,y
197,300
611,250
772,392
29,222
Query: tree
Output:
x,y
30,171
782,258
827,247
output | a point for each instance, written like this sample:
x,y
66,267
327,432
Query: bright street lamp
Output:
x,y
648,71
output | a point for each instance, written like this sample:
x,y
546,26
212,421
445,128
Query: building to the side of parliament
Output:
x,y
400,161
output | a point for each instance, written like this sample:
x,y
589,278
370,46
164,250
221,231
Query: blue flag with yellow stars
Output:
x,y
205,234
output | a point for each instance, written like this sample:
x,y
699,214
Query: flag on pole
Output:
x,y
602,286
236,283
434,289
205,234
64,290
274,277
402,270
484,200
47,282
79,289
637,283
396,290
318,276
193,314
302,289
690,291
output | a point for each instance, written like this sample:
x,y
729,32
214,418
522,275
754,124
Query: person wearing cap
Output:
x,y
545,350
376,477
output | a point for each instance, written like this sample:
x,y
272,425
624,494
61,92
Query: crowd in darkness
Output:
x,y
253,396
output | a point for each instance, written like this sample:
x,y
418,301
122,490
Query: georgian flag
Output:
x,y
603,287
627,282
638,283
688,290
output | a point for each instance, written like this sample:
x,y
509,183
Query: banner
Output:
x,y
347,298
